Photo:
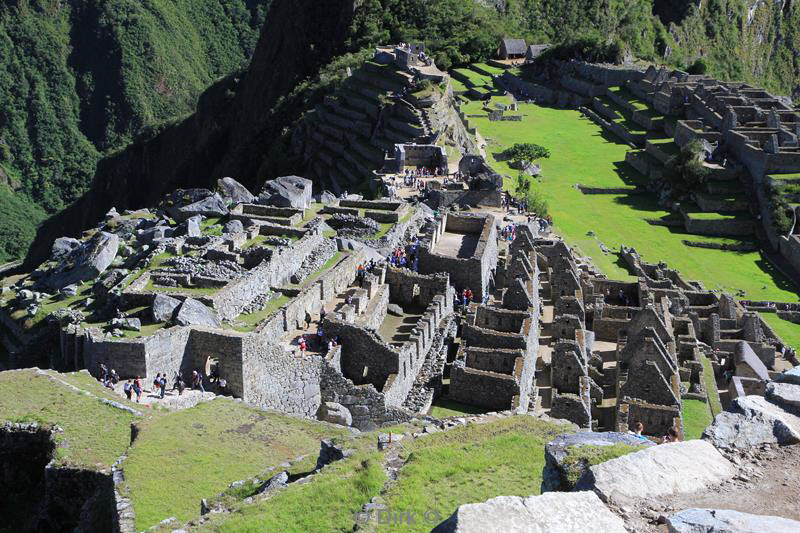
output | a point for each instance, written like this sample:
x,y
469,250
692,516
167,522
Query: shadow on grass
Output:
x,y
444,404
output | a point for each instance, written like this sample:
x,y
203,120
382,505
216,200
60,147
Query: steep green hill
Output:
x,y
79,79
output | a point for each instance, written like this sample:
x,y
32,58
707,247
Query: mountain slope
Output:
x,y
79,79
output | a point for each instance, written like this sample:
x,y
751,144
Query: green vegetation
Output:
x,y
18,220
526,152
329,502
789,332
80,80
251,320
578,458
711,386
696,417
203,449
31,397
583,153
443,408
471,464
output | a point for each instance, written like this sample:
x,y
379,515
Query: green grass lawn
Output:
x,y
470,464
181,457
789,332
85,442
696,417
442,408
329,502
490,69
629,97
251,320
476,78
583,153
580,456
711,386
458,86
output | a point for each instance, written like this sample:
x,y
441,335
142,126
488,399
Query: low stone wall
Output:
x,y
445,198
231,299
486,389
736,227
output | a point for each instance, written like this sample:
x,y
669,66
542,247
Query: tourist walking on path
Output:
x,y
137,388
163,383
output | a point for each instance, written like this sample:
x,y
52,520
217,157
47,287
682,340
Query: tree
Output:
x,y
689,165
526,152
524,191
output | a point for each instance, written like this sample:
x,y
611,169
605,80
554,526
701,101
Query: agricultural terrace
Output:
x,y
582,153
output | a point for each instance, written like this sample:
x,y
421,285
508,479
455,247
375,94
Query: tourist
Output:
x,y
638,427
157,383
137,388
103,372
307,320
322,313
114,377
179,384
360,274
303,346
464,298
223,386
128,388
671,436
469,295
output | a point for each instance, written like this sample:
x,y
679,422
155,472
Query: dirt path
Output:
x,y
768,484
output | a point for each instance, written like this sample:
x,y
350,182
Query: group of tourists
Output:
x,y
324,343
671,436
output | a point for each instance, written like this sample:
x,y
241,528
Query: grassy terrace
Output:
x,y
583,153
696,417
713,215
251,320
476,78
31,397
203,449
471,464
490,69
789,332
711,386
629,97
443,408
785,177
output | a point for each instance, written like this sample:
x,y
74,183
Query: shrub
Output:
x,y
698,67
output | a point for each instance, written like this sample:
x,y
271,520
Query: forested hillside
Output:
x,y
84,79
80,79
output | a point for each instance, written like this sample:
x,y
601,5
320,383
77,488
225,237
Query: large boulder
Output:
x,y
328,198
212,206
751,421
335,413
287,191
553,512
233,226
784,395
565,464
85,262
724,520
164,307
234,192
194,313
664,470
63,246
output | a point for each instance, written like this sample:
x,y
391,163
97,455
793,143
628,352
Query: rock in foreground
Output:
x,y
723,520
752,421
554,512
667,469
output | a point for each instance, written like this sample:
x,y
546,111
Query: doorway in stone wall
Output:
x,y
211,368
